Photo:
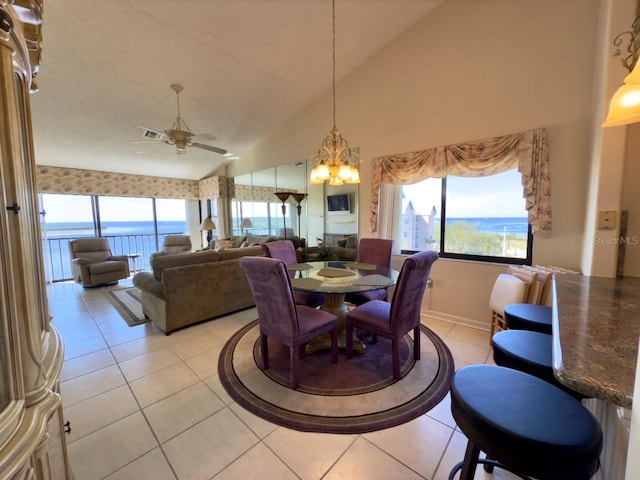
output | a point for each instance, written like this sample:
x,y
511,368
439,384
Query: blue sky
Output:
x,y
494,196
77,208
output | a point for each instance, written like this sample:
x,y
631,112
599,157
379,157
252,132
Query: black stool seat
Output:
x,y
523,424
529,352
527,316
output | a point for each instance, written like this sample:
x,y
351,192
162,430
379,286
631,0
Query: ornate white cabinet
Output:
x,y
32,443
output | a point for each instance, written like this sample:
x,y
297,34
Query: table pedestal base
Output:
x,y
334,303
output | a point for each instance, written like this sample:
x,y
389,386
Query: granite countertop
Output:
x,y
596,328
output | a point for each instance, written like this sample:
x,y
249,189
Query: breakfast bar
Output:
x,y
596,328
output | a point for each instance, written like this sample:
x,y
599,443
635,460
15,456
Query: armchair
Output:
x,y
93,264
172,244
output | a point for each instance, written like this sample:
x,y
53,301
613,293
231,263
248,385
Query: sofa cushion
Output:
x,y
253,241
158,264
234,253
107,267
237,240
223,245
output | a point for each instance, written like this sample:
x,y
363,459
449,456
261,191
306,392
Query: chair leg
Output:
x,y
493,327
294,355
264,348
349,336
334,345
416,343
468,465
395,358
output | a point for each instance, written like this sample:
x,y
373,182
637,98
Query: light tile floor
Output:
x,y
143,405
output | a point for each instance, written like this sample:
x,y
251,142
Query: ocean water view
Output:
x,y
499,225
125,238
85,229
138,237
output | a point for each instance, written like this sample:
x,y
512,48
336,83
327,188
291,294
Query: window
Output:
x,y
131,225
475,218
266,217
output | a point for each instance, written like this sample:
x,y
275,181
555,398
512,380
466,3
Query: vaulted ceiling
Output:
x,y
245,65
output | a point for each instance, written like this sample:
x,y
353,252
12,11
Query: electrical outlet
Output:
x,y
606,219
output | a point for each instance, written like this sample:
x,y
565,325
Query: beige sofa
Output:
x,y
243,241
187,288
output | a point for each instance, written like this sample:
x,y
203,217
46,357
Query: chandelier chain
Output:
x,y
334,63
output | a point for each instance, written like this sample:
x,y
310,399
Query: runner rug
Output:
x,y
128,304
352,396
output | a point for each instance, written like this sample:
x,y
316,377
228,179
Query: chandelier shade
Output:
x,y
624,107
334,161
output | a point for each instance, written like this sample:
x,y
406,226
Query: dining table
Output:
x,y
335,279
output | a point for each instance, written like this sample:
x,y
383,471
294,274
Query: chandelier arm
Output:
x,y
633,45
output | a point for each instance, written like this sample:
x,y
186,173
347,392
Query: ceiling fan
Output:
x,y
179,134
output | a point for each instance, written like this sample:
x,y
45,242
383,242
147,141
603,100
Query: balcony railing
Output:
x,y
57,258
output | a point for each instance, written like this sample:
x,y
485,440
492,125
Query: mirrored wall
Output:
x,y
279,201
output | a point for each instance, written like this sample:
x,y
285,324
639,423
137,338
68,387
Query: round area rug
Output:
x,y
352,396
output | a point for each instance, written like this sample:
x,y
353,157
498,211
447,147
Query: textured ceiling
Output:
x,y
246,66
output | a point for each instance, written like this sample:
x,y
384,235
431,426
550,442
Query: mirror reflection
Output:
x,y
279,202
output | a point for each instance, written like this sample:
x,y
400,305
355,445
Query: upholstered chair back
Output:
x,y
176,244
412,282
93,249
376,251
271,287
282,250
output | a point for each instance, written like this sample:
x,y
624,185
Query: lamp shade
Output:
x,y
207,224
625,103
246,223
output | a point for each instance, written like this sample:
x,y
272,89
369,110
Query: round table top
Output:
x,y
341,277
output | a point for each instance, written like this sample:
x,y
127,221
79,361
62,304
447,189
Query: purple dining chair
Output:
x,y
285,251
393,320
279,316
376,251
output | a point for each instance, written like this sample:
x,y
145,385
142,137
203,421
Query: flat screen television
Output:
x,y
338,204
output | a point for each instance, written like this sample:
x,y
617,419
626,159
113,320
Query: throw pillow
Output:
x,y
351,242
342,243
223,244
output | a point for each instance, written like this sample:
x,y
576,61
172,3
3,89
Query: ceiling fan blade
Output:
x,y
207,137
145,141
221,151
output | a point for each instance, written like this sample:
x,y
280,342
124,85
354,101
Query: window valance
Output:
x,y
527,151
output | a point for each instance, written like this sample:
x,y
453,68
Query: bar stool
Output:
x,y
524,425
529,352
527,316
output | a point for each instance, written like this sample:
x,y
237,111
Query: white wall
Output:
x,y
631,201
468,71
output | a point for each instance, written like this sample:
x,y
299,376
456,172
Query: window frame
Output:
x,y
528,260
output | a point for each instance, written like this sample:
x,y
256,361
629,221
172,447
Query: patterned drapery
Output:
x,y
526,150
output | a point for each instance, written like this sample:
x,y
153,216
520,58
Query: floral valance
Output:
x,y
525,150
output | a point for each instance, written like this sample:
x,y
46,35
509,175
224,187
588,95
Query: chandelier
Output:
x,y
624,107
334,160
